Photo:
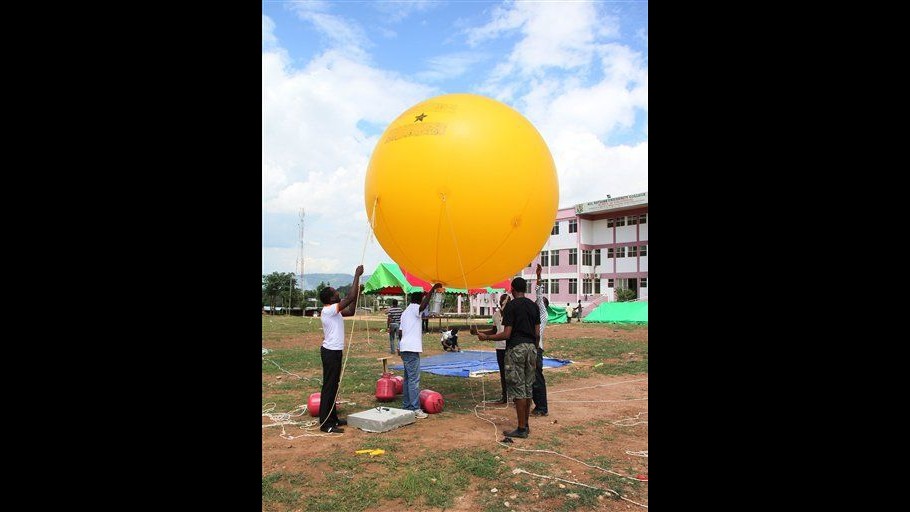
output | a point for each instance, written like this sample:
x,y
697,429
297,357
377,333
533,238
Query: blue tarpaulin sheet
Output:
x,y
469,363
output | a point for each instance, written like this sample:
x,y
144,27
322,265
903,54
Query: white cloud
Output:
x,y
548,77
310,121
387,32
268,32
324,192
342,239
607,27
642,34
310,6
589,170
504,20
344,34
274,179
315,157
283,259
621,65
554,35
444,67
599,109
399,10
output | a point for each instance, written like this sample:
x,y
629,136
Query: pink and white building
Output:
x,y
595,248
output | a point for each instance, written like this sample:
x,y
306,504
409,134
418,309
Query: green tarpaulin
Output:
x,y
620,313
556,315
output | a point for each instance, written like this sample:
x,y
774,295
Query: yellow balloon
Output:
x,y
461,190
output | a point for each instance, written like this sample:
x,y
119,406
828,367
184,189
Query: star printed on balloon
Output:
x,y
420,117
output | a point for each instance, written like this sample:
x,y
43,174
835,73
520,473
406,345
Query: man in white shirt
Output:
x,y
410,347
334,308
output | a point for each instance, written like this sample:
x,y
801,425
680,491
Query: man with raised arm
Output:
x,y
334,308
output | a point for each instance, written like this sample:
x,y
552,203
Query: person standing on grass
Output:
x,y
521,319
499,345
393,321
410,347
539,390
425,319
569,310
334,308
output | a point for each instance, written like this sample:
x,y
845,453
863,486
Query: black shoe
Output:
x,y
538,412
331,429
518,432
341,423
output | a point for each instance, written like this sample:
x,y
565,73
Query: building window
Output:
x,y
586,286
610,254
620,252
544,259
644,282
643,250
596,285
609,283
643,218
596,256
573,256
610,223
529,264
554,286
586,258
554,258
545,283
620,221
555,230
633,220
573,286
573,226
633,251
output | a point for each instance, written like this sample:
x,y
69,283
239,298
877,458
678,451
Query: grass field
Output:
x,y
420,470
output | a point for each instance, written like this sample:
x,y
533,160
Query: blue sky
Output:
x,y
336,73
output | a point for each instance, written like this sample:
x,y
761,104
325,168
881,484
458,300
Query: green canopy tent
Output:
x,y
388,280
619,313
499,287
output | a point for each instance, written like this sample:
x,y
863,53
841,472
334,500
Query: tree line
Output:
x,y
279,289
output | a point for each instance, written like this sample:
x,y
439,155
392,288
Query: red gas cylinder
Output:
x,y
431,401
312,405
385,388
399,383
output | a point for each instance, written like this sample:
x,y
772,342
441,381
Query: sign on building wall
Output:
x,y
612,203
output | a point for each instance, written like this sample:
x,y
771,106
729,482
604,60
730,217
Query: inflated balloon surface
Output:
x,y
465,191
